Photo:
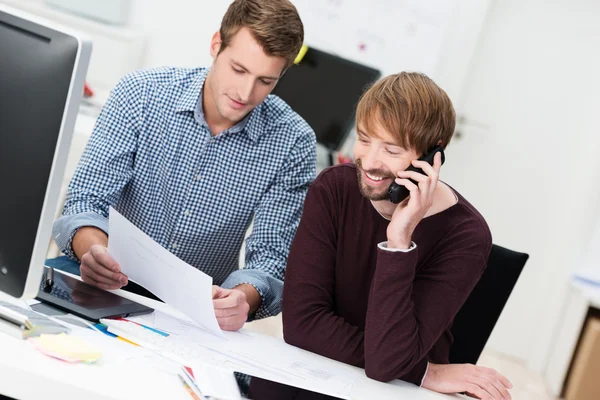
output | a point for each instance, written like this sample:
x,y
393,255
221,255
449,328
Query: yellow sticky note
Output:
x,y
301,54
67,347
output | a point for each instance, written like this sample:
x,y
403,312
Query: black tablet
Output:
x,y
86,301
263,389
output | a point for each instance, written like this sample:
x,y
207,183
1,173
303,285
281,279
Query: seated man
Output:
x,y
191,156
376,284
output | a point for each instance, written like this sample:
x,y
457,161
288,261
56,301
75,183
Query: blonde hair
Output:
x,y
410,107
274,24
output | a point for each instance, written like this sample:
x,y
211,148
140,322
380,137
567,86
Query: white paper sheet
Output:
x,y
146,262
216,382
266,357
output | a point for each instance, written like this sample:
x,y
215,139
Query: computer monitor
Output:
x,y
42,75
324,89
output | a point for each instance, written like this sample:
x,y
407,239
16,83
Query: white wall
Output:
x,y
535,169
456,56
178,31
184,28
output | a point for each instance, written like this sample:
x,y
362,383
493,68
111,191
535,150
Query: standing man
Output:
x,y
191,156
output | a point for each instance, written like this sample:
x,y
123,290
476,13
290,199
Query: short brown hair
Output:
x,y
410,107
274,24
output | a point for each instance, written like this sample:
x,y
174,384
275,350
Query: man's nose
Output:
x,y
246,90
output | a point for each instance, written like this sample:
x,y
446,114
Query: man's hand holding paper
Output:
x,y
146,262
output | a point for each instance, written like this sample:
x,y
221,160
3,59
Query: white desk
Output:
x,y
27,374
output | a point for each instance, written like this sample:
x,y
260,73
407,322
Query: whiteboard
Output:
x,y
390,35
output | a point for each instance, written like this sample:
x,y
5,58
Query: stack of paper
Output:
x,y
264,357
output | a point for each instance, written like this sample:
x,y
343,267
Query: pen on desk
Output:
x,y
49,279
161,333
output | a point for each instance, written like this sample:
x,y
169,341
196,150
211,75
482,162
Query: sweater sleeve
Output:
x,y
309,320
409,310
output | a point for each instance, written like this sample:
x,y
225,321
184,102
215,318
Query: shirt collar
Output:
x,y
190,101
193,93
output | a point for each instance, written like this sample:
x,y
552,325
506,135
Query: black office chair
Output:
x,y
476,319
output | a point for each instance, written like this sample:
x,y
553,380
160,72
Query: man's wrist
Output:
x,y
430,376
399,238
403,243
252,296
86,237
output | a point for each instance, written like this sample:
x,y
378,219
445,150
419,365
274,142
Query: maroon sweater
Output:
x,y
387,312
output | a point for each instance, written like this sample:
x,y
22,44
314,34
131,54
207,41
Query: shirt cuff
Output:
x,y
269,288
384,246
66,226
424,375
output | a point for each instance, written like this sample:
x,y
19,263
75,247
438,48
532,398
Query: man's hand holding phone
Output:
x,y
411,211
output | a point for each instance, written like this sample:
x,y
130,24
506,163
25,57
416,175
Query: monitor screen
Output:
x,y
324,89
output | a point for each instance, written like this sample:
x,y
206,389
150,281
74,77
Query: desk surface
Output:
x,y
28,374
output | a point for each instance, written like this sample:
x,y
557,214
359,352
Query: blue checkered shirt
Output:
x,y
152,157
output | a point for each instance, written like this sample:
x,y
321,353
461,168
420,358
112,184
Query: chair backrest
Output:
x,y
476,319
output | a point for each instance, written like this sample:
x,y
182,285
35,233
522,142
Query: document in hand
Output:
x,y
146,262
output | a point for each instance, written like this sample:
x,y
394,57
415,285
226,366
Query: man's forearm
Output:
x,y
252,296
85,238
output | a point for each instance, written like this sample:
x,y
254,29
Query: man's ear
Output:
x,y
215,44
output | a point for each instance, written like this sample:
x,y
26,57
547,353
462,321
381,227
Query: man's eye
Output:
x,y
392,153
238,71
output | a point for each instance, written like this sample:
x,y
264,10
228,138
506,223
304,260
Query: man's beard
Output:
x,y
366,190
